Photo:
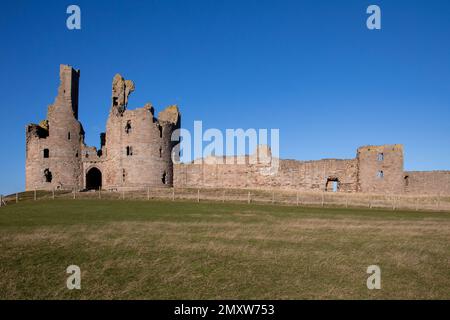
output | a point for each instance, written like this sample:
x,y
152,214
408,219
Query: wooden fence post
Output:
x,y
346,200
123,194
198,195
370,202
148,193
297,198
223,196
35,196
99,193
273,197
417,204
439,202
323,199
53,193
393,202
249,199
173,193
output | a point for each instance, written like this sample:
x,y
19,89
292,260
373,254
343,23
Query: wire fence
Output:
x,y
297,198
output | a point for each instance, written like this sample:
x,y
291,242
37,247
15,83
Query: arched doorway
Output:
x,y
333,184
93,179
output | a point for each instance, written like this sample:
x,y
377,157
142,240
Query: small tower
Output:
x,y
380,169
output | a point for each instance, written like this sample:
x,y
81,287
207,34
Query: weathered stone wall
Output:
x,y
376,169
427,182
60,138
292,174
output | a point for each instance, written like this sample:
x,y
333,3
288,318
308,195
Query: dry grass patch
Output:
x,y
181,250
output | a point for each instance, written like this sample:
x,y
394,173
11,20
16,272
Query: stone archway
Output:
x,y
333,184
93,179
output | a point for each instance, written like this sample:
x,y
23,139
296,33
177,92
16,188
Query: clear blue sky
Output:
x,y
310,68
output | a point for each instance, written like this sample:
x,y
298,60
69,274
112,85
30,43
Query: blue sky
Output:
x,y
310,68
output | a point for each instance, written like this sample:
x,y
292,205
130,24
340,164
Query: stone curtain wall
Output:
x,y
292,174
376,169
427,182
318,175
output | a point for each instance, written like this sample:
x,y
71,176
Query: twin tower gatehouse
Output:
x,y
135,150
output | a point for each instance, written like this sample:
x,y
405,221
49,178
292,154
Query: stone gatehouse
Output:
x,y
136,152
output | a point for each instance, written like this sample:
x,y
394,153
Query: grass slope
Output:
x,y
185,250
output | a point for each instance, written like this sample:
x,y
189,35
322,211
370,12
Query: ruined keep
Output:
x,y
136,152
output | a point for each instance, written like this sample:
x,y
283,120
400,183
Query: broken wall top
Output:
x,y
170,115
66,100
121,89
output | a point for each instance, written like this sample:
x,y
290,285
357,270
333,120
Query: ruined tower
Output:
x,y
138,145
380,169
53,146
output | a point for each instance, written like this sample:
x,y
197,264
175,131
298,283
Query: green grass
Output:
x,y
187,250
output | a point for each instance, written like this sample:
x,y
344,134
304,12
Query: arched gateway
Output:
x,y
93,179
333,184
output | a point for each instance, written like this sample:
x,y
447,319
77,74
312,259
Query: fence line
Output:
x,y
296,198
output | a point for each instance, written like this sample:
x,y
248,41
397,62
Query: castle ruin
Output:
x,y
135,149
136,152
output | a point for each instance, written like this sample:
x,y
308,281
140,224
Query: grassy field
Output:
x,y
186,250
